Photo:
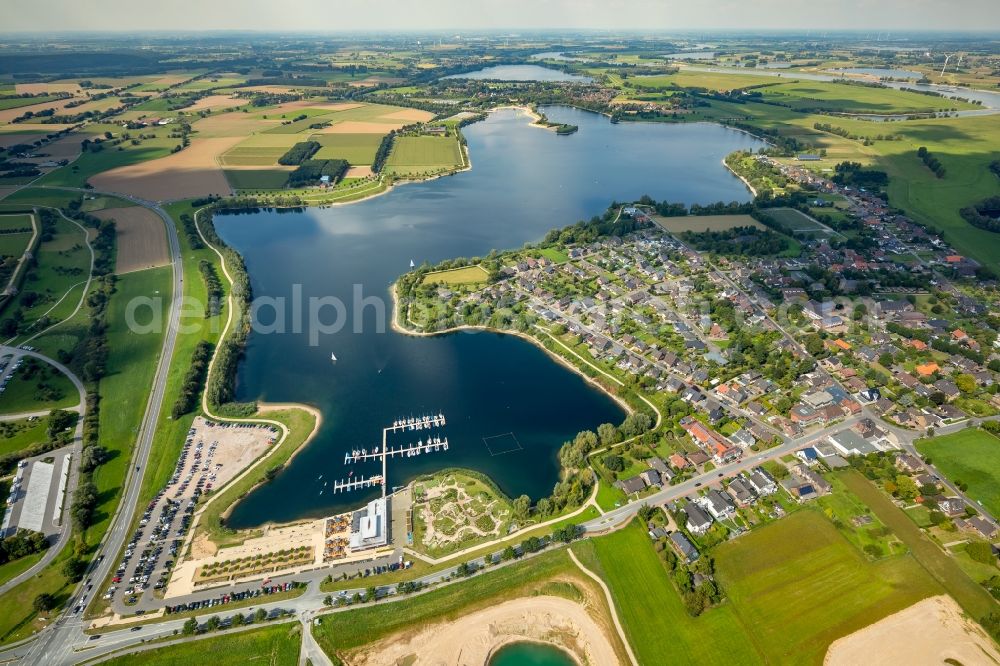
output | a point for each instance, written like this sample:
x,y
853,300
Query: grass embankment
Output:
x,y
273,644
971,456
343,631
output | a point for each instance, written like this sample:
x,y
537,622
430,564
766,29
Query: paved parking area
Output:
x,y
38,493
212,455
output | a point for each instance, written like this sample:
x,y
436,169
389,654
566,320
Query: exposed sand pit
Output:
x,y
358,172
928,632
473,638
412,115
142,241
192,172
360,127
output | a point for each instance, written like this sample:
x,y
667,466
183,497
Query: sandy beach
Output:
x,y
473,638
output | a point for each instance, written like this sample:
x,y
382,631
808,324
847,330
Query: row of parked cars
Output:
x,y
228,597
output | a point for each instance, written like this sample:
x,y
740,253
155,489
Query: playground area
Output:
x,y
454,511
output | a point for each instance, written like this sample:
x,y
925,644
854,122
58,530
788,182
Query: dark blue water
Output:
x,y
524,181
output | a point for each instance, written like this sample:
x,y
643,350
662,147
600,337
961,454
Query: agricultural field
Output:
x,y
654,618
706,222
971,456
142,240
356,149
256,179
423,155
849,98
455,276
258,150
272,645
797,585
692,79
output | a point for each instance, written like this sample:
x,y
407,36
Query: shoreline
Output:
x,y
745,181
402,330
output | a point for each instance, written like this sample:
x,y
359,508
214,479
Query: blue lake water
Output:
x,y
520,73
523,182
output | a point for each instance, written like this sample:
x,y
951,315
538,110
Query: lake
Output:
x,y
531,654
520,73
524,181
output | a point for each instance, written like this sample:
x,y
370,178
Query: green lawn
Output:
x,y
45,388
415,155
797,585
850,98
9,570
971,456
18,102
357,149
969,595
18,435
125,388
655,621
20,222
273,645
465,275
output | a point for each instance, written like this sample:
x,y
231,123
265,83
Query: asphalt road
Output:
x,y
51,645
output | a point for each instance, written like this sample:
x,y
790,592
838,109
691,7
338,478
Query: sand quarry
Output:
x,y
192,172
473,638
928,632
142,241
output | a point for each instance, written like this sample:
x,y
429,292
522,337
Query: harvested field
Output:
x,y
35,88
230,124
66,148
216,102
411,115
258,150
357,149
706,222
142,240
12,138
361,127
192,172
7,115
933,631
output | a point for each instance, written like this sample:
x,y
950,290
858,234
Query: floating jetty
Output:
x,y
358,484
432,445
425,444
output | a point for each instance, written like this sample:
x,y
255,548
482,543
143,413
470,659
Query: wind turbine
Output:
x,y
946,59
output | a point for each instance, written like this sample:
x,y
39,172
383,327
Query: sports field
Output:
x,y
271,645
797,585
455,276
706,222
414,155
971,456
796,222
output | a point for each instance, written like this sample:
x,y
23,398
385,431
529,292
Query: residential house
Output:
x,y
698,522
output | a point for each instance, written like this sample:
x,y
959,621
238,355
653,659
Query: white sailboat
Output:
x,y
412,265
333,357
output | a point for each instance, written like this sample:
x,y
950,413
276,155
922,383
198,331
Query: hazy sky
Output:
x,y
336,15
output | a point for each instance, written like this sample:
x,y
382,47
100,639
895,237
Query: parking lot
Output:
x,y
212,455
38,494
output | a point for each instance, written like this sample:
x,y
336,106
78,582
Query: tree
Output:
x,y
191,626
43,602
521,506
980,551
328,600
212,623
607,433
260,615
508,553
906,488
239,620
966,383
74,569
371,593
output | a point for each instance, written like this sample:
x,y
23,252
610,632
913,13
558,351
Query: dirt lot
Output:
x,y
142,242
358,172
192,172
933,631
